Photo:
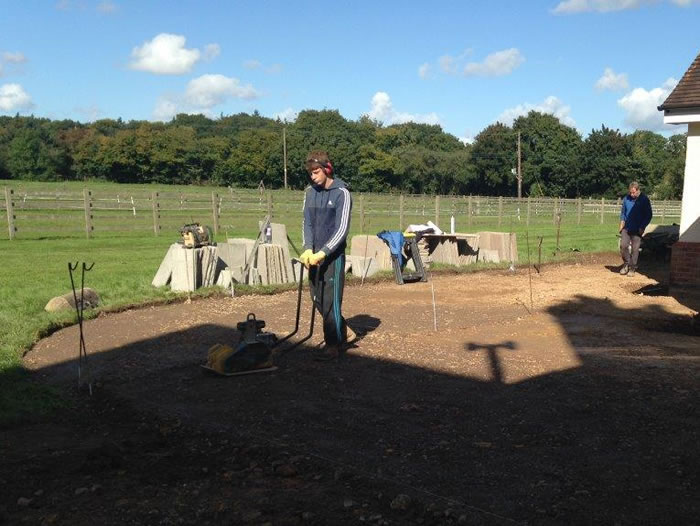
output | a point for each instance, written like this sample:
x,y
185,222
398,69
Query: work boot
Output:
x,y
625,269
351,336
327,353
631,271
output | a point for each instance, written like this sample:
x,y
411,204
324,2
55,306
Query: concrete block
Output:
x,y
235,251
362,266
224,279
371,247
165,269
487,255
503,242
184,276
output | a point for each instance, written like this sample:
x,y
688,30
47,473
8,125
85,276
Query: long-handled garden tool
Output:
x,y
79,304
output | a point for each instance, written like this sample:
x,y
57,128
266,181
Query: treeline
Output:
x,y
242,150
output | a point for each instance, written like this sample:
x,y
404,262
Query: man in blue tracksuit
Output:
x,y
327,207
634,218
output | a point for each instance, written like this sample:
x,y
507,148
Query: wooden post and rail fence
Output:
x,y
91,211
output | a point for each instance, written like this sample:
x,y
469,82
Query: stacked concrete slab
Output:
x,y
368,255
498,246
187,269
450,249
234,254
268,263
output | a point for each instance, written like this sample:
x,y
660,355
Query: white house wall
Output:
x,y
690,208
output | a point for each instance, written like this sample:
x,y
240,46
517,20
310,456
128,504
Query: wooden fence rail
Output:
x,y
238,210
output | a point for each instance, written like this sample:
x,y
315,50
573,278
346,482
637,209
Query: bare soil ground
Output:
x,y
565,397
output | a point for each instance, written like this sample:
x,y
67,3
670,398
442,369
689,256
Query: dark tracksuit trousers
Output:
x,y
327,284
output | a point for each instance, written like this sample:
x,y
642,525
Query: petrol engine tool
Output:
x,y
252,355
195,235
256,349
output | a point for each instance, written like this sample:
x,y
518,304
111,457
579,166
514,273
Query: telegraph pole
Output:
x,y
284,146
520,173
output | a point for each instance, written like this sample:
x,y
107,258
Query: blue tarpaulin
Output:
x,y
394,239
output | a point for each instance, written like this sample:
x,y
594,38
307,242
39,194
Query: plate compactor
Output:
x,y
256,349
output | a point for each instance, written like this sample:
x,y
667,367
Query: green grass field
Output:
x,y
36,269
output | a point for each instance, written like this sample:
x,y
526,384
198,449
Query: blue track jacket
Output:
x,y
327,218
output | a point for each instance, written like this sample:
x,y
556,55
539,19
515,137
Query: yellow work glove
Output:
x,y
304,258
317,258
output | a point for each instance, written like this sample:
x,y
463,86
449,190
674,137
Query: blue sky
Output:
x,y
461,64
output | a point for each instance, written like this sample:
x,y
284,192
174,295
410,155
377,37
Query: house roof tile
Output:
x,y
686,94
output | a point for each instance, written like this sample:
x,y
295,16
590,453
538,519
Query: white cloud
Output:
x,y
10,58
209,90
612,81
496,64
567,7
447,64
256,64
287,115
14,98
166,55
467,139
106,7
640,106
201,95
424,70
90,113
211,51
551,105
14,58
383,111
165,109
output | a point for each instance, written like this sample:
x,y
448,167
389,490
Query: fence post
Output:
x,y
558,223
663,212
469,210
529,203
602,210
579,206
269,205
437,210
215,211
555,209
87,200
500,209
10,205
156,212
362,213
401,212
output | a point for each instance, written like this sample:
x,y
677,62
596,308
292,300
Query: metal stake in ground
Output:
x,y
79,307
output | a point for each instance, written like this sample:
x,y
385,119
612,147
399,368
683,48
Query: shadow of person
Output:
x,y
363,324
614,268
492,353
